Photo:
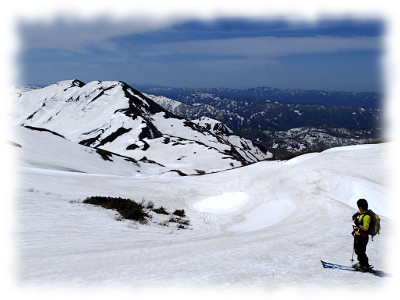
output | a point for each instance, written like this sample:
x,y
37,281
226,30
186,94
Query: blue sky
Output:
x,y
331,54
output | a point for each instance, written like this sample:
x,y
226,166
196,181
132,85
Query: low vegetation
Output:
x,y
140,212
127,208
161,211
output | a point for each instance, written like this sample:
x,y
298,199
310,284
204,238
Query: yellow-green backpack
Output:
x,y
374,225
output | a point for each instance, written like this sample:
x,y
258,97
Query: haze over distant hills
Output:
x,y
295,96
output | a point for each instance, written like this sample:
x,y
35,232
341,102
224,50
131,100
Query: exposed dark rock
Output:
x,y
114,135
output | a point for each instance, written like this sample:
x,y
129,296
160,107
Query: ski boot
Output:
x,y
362,268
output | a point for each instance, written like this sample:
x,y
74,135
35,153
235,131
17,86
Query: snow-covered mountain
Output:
x,y
214,125
244,146
53,152
115,117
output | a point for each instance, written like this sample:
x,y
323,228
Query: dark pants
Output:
x,y
360,247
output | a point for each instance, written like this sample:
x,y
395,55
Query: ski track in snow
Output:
x,y
266,225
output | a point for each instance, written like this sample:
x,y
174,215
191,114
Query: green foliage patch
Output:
x,y
128,209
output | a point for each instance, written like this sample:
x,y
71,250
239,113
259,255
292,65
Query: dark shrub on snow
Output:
x,y
128,209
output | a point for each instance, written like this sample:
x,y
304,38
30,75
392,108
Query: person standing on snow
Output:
x,y
360,232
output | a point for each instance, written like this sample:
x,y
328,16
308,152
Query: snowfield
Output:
x,y
260,230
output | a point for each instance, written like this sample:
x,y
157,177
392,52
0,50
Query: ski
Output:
x,y
348,268
336,266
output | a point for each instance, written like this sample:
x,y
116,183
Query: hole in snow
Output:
x,y
224,203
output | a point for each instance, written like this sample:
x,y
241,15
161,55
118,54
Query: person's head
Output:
x,y
362,204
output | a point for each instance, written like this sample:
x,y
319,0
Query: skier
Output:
x,y
360,232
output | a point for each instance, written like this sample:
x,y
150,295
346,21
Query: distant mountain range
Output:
x,y
283,128
293,96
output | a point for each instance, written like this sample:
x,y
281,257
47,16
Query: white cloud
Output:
x,y
76,35
268,46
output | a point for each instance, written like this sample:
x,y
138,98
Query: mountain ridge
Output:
x,y
113,116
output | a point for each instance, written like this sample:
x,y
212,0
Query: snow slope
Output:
x,y
262,227
113,116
